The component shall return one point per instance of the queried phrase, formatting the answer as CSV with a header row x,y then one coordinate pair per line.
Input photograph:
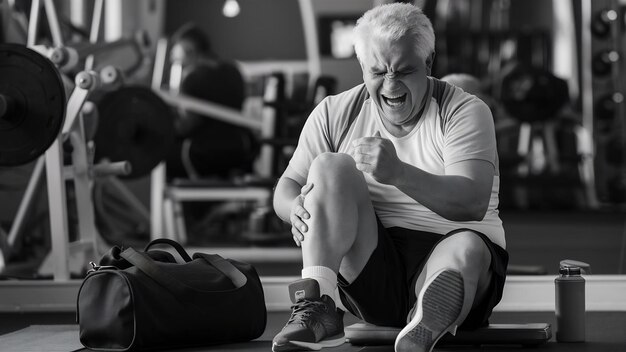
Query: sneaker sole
x,y
438,308
333,341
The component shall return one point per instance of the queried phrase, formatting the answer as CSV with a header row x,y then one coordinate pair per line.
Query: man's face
x,y
184,52
395,77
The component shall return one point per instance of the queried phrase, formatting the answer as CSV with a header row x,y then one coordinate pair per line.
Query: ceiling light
x,y
231,8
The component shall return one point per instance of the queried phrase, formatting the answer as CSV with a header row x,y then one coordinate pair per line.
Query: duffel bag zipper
x,y
96,267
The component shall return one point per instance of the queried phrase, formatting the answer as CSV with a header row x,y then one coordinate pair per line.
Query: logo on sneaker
x,y
300,294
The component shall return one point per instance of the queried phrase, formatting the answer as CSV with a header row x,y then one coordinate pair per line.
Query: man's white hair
x,y
392,22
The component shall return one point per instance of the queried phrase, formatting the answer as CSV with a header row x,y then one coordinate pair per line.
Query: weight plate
x,y
32,104
531,94
135,125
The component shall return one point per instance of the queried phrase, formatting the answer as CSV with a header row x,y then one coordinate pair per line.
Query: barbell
x,y
135,124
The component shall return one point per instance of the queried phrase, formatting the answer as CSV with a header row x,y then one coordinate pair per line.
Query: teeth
x,y
394,100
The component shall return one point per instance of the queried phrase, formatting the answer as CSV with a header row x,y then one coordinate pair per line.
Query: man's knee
x,y
469,243
331,164
466,248
339,198
336,171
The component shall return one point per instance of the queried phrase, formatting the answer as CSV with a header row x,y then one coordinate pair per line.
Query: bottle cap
x,y
569,271
585,268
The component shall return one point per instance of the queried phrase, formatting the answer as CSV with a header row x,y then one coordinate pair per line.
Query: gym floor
x,y
605,333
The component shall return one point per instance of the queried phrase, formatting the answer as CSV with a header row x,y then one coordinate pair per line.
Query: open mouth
x,y
395,100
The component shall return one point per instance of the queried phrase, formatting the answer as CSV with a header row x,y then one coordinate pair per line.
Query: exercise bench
x,y
527,335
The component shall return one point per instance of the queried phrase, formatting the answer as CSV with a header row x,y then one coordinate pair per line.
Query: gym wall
x,y
263,30
268,31
347,71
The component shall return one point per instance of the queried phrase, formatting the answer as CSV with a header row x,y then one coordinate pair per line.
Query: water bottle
x,y
570,304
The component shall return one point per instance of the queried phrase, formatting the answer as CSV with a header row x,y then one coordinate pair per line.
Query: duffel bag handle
x,y
226,267
171,283
171,243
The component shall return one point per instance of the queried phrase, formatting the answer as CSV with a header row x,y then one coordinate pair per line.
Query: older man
x,y
392,193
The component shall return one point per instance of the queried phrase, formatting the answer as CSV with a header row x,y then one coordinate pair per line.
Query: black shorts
x,y
383,293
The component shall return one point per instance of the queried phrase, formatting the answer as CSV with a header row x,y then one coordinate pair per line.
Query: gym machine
x,y
167,199
552,150
36,119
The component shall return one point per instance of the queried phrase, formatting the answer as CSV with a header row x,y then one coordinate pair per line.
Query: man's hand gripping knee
x,y
298,213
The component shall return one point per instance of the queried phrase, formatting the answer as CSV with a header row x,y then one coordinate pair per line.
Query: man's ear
x,y
429,63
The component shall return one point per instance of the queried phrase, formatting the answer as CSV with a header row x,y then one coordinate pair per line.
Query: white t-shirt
x,y
455,126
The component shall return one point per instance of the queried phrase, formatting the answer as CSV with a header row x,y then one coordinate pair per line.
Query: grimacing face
x,y
396,79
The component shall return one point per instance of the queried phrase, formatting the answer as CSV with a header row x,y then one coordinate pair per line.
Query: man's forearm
x,y
453,197
284,194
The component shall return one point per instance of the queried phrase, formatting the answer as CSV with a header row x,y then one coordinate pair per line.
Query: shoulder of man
x,y
347,97
451,99
338,112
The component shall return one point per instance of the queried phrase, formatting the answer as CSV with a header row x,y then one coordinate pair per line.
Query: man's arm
x,y
462,194
287,189
289,203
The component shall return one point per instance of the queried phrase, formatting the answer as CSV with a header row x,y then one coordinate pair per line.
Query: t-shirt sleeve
x,y
314,140
469,133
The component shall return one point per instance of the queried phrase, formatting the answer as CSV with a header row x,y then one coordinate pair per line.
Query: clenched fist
x,y
377,156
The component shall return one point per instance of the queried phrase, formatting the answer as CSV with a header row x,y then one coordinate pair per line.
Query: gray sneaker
x,y
315,321
437,310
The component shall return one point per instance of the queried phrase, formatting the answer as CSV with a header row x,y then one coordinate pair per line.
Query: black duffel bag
x,y
145,300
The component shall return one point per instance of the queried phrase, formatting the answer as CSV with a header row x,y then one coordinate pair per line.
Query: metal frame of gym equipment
x,y
66,257
593,84
530,140
166,208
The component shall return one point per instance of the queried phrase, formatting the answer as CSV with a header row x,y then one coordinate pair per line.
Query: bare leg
x,y
466,253
342,228
455,277
341,236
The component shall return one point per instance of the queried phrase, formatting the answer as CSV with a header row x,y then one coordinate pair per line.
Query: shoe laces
x,y
302,310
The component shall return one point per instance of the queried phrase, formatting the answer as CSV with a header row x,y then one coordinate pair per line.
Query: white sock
x,y
326,278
